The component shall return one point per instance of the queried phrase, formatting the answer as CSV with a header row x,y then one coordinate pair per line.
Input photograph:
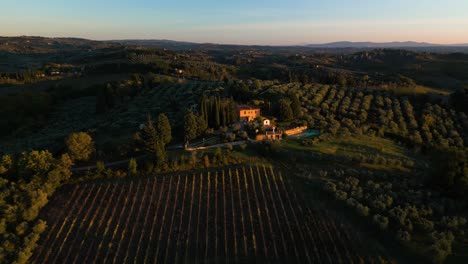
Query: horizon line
x,y
245,44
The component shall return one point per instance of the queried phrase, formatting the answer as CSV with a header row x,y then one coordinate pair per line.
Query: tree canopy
x,y
190,127
451,170
163,128
80,146
285,110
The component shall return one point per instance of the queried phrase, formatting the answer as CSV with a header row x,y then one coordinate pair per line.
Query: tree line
x,y
217,111
27,181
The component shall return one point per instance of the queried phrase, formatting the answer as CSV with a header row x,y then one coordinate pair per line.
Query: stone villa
x,y
248,114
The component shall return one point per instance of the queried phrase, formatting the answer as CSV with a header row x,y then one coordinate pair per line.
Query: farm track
x,y
234,215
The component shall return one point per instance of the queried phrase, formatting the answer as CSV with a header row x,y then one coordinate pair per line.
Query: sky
x,y
263,22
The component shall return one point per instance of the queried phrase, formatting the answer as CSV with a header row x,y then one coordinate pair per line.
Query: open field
x,y
420,89
240,214
365,150
356,145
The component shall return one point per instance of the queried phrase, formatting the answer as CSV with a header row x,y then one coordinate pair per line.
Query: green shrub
x,y
453,222
22,228
441,247
403,236
398,214
80,145
341,195
330,187
132,167
351,202
362,210
6,164
424,224
381,221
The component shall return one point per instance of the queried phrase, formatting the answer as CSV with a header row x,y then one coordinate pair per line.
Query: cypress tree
x,y
224,115
190,127
132,167
202,125
109,93
149,137
285,111
203,108
164,129
212,114
217,112
295,105
160,155
232,113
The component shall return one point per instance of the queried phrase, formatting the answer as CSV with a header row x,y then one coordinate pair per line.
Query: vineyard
x,y
238,214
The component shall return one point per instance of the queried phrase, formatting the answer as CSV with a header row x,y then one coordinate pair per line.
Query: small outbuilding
x,y
271,134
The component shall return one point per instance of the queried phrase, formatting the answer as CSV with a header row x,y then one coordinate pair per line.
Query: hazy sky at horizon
x,y
271,22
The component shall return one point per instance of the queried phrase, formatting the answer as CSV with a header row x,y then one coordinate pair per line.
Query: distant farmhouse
x,y
248,114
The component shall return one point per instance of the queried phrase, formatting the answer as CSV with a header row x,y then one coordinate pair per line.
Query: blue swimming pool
x,y
306,134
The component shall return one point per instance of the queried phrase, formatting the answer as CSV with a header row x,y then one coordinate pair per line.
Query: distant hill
x,y
161,43
32,44
341,44
182,45
396,44
337,47
35,45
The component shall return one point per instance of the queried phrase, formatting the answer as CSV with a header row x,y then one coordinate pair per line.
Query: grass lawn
x,y
420,89
359,146
353,146
384,167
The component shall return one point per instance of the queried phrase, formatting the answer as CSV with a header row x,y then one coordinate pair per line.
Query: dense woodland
x,y
64,108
